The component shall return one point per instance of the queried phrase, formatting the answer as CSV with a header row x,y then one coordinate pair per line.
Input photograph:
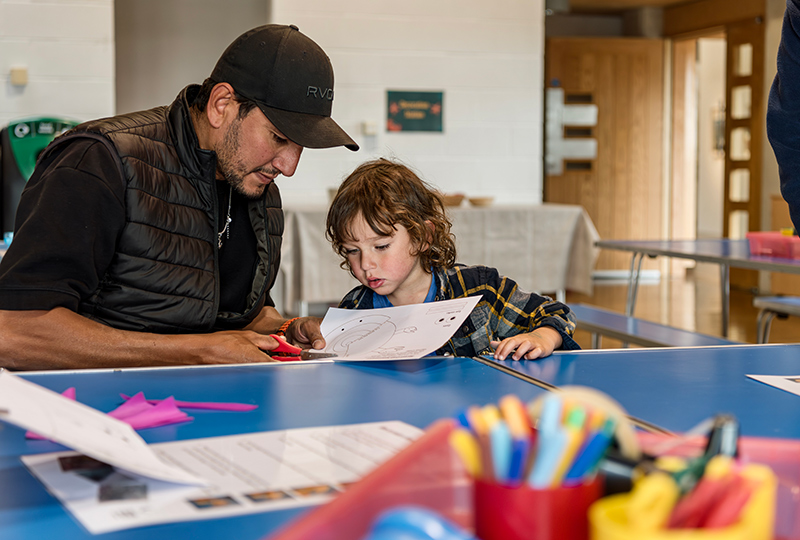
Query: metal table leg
x,y
725,279
633,282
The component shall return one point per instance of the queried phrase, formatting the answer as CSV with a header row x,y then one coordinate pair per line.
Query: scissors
x,y
286,352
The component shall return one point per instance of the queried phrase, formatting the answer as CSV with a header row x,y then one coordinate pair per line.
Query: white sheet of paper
x,y
789,383
250,473
393,333
82,428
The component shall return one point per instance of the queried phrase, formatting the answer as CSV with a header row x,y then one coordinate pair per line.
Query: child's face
x,y
385,264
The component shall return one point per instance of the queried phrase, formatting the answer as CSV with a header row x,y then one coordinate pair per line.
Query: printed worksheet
x,y
394,333
246,474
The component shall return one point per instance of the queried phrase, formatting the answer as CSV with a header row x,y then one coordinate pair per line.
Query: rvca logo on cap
x,y
322,93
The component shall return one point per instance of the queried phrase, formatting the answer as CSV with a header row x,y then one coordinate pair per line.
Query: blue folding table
x,y
288,396
672,388
724,252
676,388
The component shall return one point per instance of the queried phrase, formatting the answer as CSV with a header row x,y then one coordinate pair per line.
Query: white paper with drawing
x,y
394,333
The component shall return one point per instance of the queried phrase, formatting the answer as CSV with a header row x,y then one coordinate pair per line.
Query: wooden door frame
x,y
695,20
682,184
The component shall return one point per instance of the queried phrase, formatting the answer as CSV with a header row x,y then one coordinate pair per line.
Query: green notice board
x,y
414,111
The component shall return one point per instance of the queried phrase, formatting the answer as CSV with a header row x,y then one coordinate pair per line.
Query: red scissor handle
x,y
285,351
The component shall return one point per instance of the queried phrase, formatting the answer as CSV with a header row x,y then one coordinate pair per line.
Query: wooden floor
x,y
692,303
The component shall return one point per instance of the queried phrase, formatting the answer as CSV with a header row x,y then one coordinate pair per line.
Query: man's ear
x,y
222,105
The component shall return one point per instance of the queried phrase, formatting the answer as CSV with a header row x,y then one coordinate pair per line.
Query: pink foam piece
x,y
158,415
209,405
138,412
135,405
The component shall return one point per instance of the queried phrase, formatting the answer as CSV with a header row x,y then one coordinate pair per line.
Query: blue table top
x,y
735,253
677,388
289,396
673,388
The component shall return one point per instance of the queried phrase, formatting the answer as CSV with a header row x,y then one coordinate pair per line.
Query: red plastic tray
x,y
774,244
428,473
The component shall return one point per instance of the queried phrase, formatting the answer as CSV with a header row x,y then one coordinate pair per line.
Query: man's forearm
x,y
62,339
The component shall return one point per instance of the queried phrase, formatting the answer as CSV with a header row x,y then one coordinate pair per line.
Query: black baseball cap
x,y
290,78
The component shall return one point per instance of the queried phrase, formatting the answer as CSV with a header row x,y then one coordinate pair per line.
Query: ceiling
x,y
599,6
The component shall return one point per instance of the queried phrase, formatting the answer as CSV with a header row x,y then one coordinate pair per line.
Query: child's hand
x,y
537,344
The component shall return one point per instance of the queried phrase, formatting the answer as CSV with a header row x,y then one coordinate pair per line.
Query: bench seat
x,y
769,307
627,329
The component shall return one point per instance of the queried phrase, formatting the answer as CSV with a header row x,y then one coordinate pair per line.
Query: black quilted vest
x,y
164,277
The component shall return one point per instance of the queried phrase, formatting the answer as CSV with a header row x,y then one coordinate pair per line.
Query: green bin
x,y
21,143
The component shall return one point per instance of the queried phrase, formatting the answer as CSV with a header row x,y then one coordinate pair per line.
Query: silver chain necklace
x,y
228,220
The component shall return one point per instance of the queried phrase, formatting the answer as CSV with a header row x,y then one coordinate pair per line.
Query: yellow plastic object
x,y
671,463
650,503
608,517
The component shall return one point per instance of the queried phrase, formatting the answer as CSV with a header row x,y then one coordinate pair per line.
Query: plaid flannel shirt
x,y
504,310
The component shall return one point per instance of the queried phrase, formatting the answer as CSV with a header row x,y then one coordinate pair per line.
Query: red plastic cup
x,y
523,513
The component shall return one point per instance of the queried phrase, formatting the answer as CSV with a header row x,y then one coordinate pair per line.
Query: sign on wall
x,y
414,111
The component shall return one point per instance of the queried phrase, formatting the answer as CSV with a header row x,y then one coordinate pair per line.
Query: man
x,y
153,238
783,110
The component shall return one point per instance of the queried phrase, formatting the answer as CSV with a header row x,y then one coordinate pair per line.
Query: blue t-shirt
x,y
380,301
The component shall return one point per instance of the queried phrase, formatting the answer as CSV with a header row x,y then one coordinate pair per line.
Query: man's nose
x,y
287,159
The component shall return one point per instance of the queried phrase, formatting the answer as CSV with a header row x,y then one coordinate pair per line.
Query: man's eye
x,y
278,138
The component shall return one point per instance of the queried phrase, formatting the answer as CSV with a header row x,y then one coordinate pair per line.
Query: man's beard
x,y
231,167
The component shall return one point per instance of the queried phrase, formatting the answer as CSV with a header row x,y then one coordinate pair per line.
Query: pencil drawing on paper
x,y
393,333
368,333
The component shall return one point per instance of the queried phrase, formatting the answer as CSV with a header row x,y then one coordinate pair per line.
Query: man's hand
x,y
237,347
537,344
304,332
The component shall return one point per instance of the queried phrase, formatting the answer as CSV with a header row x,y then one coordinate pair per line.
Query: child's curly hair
x,y
386,193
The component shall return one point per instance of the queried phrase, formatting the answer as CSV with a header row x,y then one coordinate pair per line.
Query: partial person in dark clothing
x,y
153,238
783,111
392,231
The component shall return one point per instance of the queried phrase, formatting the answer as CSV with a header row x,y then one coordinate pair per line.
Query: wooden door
x,y
621,187
744,121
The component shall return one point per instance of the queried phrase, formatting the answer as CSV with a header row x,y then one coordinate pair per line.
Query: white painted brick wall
x,y
68,48
487,58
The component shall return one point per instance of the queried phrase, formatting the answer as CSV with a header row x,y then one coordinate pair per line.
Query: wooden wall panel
x,y
622,193
705,14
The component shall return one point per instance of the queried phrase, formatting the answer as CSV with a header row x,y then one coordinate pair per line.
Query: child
x,y
392,231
